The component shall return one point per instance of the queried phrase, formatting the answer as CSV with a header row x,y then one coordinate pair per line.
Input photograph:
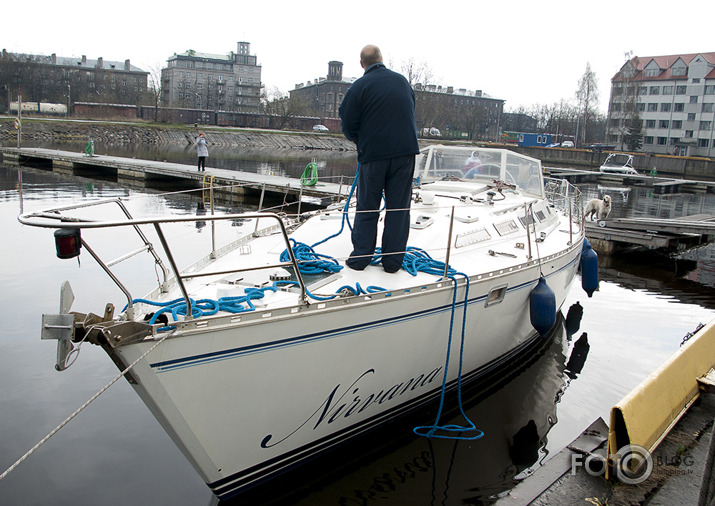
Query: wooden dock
x,y
131,170
660,185
673,235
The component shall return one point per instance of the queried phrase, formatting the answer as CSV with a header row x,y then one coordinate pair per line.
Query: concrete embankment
x,y
37,131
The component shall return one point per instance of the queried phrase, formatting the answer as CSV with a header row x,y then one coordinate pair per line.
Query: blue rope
x,y
344,219
430,431
309,261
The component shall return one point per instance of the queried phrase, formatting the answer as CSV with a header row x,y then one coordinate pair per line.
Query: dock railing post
x,y
213,222
260,207
449,245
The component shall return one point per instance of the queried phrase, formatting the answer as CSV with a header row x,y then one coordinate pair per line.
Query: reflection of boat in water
x,y
516,408
618,163
269,351
623,191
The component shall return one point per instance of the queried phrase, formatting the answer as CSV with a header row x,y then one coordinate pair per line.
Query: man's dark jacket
x,y
378,114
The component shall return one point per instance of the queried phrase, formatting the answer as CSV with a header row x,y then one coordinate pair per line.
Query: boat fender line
x,y
542,307
310,175
80,409
589,268
453,431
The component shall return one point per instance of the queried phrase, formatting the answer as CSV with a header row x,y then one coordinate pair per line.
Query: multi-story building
x,y
469,115
222,82
460,113
62,80
674,99
323,96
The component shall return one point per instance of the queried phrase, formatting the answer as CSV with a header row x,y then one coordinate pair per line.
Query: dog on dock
x,y
597,208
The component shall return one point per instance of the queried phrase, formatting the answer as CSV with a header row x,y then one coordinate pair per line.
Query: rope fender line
x,y
430,431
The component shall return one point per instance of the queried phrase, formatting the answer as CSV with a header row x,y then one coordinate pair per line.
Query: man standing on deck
x,y
378,114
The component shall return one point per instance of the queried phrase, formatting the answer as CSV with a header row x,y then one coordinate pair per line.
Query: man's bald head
x,y
370,55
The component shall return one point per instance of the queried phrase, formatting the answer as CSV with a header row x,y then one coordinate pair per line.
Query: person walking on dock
x,y
378,114
202,149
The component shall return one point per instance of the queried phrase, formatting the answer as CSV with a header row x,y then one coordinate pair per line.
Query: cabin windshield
x,y
485,165
618,160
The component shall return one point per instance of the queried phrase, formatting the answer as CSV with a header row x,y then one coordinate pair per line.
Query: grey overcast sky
x,y
525,52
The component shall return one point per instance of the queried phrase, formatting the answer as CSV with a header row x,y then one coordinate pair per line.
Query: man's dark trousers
x,y
394,177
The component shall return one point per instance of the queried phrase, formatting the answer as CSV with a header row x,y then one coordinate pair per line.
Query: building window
x,y
664,123
710,89
641,107
691,116
689,134
696,80
679,107
616,107
678,71
703,143
708,107
662,141
650,123
652,107
188,86
199,86
681,90
677,124
705,125
643,90
654,90
652,72
648,139
665,107
668,90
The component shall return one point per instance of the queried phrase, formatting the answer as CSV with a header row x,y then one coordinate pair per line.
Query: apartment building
x,y
221,82
672,96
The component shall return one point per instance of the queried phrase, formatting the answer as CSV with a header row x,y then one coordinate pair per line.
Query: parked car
x,y
567,144
431,132
320,128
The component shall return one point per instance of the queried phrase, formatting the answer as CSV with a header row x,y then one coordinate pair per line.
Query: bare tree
x,y
417,72
281,105
587,99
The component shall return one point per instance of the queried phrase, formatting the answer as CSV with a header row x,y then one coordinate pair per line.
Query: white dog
x,y
598,208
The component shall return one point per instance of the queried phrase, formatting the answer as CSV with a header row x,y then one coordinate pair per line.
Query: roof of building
x,y
664,63
190,53
80,62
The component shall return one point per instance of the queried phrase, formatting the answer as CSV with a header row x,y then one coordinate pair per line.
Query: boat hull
x,y
255,398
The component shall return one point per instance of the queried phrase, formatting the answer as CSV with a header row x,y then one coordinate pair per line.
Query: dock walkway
x,y
660,185
674,234
132,169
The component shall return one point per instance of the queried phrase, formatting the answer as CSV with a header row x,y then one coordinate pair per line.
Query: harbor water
x,y
114,452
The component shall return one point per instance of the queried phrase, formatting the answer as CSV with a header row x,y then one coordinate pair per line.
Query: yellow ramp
x,y
646,415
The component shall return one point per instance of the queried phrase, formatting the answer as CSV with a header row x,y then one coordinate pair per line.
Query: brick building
x,y
62,80
323,96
